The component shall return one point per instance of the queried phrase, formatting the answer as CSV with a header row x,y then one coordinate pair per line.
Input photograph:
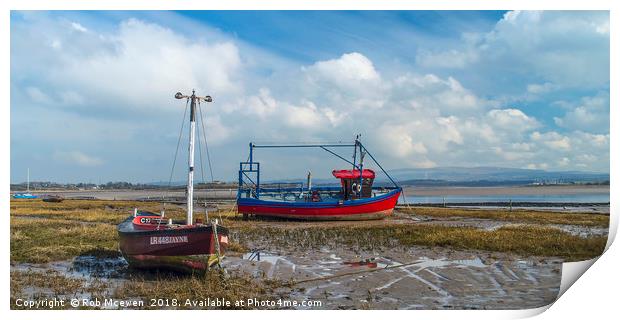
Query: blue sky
x,y
91,91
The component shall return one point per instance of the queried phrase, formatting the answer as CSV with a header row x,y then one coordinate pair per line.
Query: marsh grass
x,y
51,284
41,286
43,232
45,240
523,240
51,280
103,211
529,216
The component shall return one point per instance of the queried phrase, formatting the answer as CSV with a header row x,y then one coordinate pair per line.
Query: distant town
x,y
119,185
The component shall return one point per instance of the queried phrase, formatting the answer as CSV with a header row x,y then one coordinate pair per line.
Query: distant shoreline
x,y
516,190
126,194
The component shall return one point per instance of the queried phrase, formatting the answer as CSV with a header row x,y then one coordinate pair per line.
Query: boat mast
x,y
192,132
28,181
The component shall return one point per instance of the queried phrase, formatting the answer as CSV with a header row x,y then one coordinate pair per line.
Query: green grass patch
x,y
43,232
523,240
45,240
88,210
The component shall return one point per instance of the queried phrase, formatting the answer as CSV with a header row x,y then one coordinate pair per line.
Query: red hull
x,y
183,247
365,210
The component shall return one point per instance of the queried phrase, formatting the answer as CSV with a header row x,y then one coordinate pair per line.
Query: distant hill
x,y
492,176
458,176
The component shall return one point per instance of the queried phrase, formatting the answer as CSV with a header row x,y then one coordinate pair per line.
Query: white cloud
x,y
446,96
77,158
568,49
117,86
552,140
305,116
137,67
536,88
592,114
512,120
261,105
349,68
78,27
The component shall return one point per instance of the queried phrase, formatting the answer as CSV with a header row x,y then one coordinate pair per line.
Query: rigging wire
x,y
204,134
175,155
202,170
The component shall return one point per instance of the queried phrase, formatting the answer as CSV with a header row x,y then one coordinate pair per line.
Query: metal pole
x,y
190,176
192,132
360,186
251,147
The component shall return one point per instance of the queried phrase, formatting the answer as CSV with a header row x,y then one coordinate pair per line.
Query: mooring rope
x,y
402,193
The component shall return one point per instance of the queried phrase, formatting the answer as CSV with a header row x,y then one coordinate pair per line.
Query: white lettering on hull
x,y
168,239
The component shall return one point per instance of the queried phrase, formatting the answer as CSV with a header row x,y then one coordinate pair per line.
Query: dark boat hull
x,y
183,248
362,209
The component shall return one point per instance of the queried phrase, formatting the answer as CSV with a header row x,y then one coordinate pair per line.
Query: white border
x,y
595,294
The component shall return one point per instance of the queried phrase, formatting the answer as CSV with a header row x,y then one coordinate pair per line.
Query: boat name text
x,y
168,239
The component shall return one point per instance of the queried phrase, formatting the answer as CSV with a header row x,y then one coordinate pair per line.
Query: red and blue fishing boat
x,y
354,199
151,241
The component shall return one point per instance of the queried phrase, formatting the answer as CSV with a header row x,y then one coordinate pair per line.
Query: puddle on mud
x,y
100,276
408,279
81,267
393,278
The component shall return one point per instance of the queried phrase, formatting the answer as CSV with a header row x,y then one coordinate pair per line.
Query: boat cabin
x,y
350,183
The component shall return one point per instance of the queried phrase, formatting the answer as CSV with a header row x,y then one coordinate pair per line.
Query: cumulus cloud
x,y
564,48
135,67
512,119
349,70
431,92
115,86
592,114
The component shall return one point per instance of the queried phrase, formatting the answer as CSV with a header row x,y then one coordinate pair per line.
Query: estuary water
x,y
551,198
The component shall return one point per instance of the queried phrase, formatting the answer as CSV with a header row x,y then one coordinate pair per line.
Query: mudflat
x,y
418,258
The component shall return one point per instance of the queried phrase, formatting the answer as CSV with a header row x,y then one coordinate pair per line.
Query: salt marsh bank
x,y
418,258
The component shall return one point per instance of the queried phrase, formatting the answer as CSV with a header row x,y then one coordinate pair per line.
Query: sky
x,y
92,91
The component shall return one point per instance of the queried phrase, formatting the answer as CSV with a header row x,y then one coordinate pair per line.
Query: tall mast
x,y
28,181
192,132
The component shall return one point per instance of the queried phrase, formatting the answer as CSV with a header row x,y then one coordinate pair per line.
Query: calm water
x,y
570,198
